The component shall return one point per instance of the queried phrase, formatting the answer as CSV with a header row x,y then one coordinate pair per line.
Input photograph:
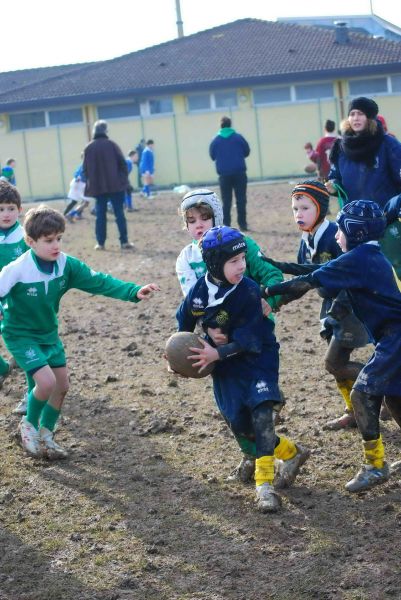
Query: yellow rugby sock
x,y
264,470
285,450
345,388
374,452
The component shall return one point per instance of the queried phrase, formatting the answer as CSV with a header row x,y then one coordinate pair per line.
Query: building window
x,y
364,87
271,95
396,83
160,106
225,99
199,102
27,120
118,111
62,117
313,91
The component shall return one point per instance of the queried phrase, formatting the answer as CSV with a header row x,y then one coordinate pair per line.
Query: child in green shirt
x,y
31,288
12,243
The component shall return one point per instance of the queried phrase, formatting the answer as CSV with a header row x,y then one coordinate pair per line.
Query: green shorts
x,y
31,356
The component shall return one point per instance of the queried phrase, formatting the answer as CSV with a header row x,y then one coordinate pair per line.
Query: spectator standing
x,y
131,160
11,162
323,148
229,150
139,149
365,161
106,173
147,167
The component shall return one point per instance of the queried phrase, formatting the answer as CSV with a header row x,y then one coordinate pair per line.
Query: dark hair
x,y
329,126
132,152
225,122
9,193
149,142
10,160
42,221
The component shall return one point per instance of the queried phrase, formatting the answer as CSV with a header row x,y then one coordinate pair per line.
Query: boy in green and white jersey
x,y
12,242
31,289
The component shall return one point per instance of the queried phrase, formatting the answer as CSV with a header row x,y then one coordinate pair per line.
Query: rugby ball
x,y
178,349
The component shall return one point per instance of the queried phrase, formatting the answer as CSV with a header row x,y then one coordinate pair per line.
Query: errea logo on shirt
x,y
262,386
17,252
32,291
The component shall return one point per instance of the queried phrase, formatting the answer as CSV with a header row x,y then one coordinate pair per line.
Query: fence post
x,y
27,164
255,108
60,154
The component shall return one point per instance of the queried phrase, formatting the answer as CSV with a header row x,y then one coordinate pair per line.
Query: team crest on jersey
x,y
32,291
324,257
17,252
222,317
393,231
62,284
262,386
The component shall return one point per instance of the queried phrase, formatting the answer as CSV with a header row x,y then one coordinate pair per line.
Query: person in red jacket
x,y
323,148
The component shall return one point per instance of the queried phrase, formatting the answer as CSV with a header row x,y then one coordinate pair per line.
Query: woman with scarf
x,y
365,161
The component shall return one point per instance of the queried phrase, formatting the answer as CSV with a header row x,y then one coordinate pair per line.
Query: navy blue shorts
x,y
381,376
237,397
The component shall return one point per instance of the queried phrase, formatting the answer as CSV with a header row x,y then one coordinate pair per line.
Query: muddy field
x,y
141,509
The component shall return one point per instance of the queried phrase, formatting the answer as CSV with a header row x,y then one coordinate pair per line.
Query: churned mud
x,y
141,509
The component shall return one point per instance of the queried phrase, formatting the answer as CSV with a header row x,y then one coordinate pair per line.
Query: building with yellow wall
x,y
279,82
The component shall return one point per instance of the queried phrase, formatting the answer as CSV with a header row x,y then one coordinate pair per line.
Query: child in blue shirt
x,y
374,292
245,377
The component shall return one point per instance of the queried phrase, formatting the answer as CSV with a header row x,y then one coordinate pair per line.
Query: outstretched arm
x,y
290,268
293,289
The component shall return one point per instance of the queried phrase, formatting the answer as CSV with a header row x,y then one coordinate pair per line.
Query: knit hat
x,y
365,105
317,192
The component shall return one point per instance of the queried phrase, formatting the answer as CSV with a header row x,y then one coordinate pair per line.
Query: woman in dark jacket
x,y
365,161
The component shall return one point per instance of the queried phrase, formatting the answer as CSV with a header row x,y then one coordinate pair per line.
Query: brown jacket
x,y
104,167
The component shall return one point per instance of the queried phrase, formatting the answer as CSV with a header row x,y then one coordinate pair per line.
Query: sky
x,y
43,33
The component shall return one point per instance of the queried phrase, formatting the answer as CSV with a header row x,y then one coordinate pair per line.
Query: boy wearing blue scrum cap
x,y
245,377
201,209
374,292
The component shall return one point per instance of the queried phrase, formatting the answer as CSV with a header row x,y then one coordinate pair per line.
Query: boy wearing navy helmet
x,y
245,377
375,295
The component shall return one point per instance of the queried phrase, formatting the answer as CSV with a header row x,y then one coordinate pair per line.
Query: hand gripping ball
x,y
177,350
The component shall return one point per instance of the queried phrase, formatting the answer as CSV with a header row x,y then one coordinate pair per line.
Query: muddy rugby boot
x,y
244,471
267,499
346,421
50,449
287,470
368,477
29,438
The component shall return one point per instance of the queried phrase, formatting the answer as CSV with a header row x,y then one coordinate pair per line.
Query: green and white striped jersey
x,y
31,298
12,244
